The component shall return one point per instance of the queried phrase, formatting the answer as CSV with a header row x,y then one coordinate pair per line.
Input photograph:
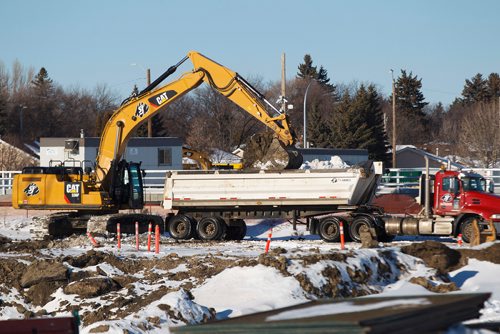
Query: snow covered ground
x,y
190,282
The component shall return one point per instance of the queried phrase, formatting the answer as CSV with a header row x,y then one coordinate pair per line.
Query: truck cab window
x,y
450,184
473,184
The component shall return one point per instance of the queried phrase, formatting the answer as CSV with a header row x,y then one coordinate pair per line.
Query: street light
x,y
305,144
21,128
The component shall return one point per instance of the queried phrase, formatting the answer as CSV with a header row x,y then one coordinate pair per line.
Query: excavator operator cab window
x,y
136,197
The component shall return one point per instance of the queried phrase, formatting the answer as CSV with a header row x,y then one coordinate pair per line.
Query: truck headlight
x,y
495,216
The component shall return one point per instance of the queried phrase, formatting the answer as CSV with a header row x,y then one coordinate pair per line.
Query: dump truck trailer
x,y
213,205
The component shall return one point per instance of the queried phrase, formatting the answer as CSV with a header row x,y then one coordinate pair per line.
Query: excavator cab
x,y
127,186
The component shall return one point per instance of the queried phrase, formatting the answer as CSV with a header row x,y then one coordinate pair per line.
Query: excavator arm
x,y
200,157
136,110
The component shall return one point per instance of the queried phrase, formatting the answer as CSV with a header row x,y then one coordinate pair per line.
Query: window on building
x,y
164,157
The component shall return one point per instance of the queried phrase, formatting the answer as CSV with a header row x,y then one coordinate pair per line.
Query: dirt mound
x,y
92,287
490,254
397,203
40,294
435,255
44,271
23,246
432,286
11,271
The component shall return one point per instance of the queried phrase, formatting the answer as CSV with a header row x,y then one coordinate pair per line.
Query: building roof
x,y
333,151
433,157
135,141
18,150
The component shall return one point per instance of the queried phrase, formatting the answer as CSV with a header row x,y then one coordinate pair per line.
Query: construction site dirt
x,y
194,282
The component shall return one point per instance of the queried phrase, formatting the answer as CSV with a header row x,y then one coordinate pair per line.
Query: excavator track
x,y
64,224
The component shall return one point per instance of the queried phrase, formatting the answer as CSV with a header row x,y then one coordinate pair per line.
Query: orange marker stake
x,y
137,236
268,243
157,239
342,239
459,239
92,240
118,236
150,229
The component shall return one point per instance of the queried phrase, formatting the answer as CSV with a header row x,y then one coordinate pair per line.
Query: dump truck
x,y
213,205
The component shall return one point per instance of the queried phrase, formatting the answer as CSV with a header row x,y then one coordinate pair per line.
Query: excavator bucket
x,y
485,233
265,151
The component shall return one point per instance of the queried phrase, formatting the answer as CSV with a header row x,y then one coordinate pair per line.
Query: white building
x,y
157,153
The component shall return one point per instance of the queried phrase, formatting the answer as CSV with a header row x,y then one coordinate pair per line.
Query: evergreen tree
x,y
349,126
323,79
307,70
494,86
42,84
410,102
41,117
476,90
318,129
375,117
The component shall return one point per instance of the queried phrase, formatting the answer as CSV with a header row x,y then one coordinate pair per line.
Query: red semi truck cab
x,y
465,196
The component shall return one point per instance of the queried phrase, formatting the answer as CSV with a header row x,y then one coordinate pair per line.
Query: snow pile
x,y
270,165
335,162
244,290
163,313
481,276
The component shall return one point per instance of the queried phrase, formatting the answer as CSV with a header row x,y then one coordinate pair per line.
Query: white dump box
x,y
347,186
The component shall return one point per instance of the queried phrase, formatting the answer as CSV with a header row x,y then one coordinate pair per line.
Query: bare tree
x,y
479,136
218,123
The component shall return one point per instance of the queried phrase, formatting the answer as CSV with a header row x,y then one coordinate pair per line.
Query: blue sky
x,y
85,43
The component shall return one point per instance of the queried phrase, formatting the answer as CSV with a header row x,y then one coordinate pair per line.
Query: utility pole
x,y
150,120
499,116
283,82
393,121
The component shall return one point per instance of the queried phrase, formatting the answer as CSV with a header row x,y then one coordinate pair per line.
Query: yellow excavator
x,y
97,196
201,158
203,161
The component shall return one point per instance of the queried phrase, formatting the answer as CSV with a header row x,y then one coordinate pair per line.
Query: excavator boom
x,y
116,183
138,109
